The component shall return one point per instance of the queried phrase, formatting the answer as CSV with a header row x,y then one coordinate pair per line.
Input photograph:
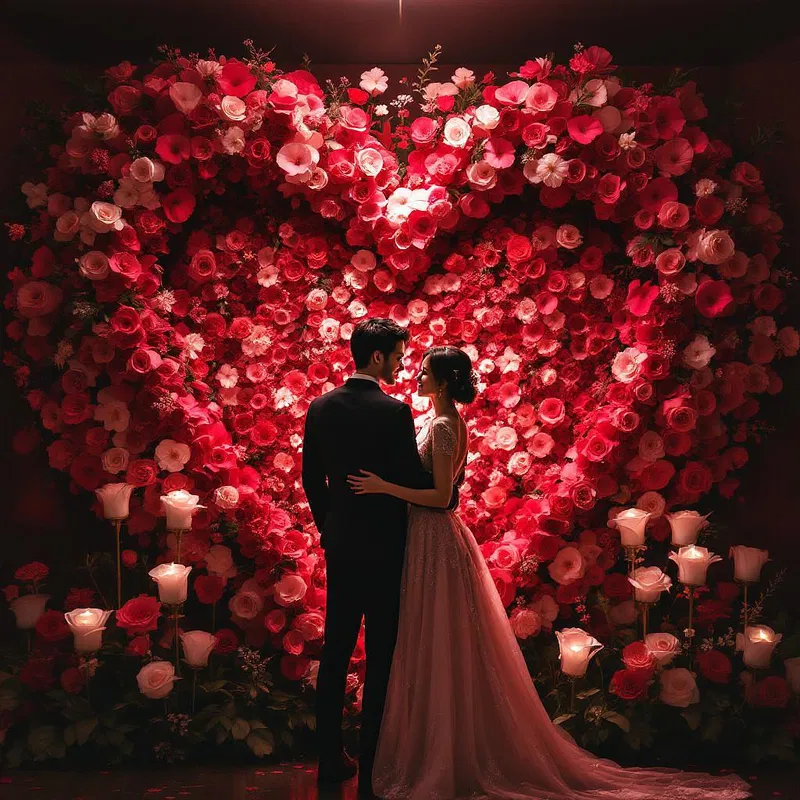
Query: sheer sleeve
x,y
444,438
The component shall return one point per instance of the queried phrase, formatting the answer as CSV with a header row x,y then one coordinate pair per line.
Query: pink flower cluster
x,y
185,278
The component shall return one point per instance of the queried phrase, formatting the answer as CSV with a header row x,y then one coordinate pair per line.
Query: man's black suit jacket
x,y
354,427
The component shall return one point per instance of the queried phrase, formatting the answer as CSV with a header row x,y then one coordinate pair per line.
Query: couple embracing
x,y
449,709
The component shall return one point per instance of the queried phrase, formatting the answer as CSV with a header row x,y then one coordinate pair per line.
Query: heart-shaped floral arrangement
x,y
202,247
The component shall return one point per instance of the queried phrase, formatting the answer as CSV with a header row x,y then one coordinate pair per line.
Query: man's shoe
x,y
336,772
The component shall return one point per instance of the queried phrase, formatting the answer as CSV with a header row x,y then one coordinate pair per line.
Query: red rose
x,y
657,475
139,615
79,598
518,248
617,587
227,641
715,666
73,680
636,655
52,627
178,205
32,573
37,674
772,692
138,647
552,411
695,478
630,684
141,472
294,667
209,588
657,192
504,583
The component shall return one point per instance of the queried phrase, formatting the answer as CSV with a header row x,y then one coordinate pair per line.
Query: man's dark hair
x,y
375,334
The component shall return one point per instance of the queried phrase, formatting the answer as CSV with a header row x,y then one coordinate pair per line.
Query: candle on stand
x,y
747,563
576,650
631,523
686,526
173,582
87,626
27,610
693,563
759,644
180,507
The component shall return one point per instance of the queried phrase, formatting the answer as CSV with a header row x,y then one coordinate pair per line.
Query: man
x,y
356,427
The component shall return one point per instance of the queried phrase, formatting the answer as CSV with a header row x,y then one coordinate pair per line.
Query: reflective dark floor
x,y
284,781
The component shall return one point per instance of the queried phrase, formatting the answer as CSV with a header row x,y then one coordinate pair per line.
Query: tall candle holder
x,y
177,616
644,609
178,534
117,523
632,552
689,632
745,604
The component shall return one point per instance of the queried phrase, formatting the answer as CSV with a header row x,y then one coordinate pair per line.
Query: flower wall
x,y
199,247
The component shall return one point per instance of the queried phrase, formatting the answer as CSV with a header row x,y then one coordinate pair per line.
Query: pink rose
x,y
715,247
525,622
627,364
246,604
156,679
290,589
311,625
567,566
679,688
662,646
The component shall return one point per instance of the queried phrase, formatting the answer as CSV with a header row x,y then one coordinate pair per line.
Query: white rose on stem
x,y
180,506
197,647
116,499
156,679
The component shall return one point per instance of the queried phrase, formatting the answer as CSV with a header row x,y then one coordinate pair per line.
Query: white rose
x,y
662,646
156,679
180,506
226,497
197,647
698,352
748,562
648,583
171,455
369,161
233,109
678,687
145,170
487,117
457,132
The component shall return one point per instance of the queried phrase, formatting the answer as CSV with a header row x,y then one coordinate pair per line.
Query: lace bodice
x,y
439,435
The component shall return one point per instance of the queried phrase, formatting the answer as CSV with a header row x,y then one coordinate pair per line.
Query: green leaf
x,y
84,728
261,742
69,736
618,720
240,729
693,717
712,729
587,693
562,718
212,686
256,725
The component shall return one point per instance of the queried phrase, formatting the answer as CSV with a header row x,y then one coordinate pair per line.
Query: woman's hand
x,y
367,483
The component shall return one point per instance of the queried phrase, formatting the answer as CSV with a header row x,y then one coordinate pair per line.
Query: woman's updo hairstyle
x,y
453,367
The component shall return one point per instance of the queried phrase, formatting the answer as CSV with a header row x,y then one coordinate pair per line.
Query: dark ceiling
x,y
638,32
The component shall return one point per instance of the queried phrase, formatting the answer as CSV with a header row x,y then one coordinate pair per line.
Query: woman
x,y
463,718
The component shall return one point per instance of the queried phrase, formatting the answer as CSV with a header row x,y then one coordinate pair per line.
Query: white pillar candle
x,y
686,526
27,610
648,583
577,648
747,562
180,506
116,500
197,647
87,626
759,643
173,582
693,563
631,524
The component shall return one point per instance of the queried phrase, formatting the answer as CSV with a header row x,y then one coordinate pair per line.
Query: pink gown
x,y
462,717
